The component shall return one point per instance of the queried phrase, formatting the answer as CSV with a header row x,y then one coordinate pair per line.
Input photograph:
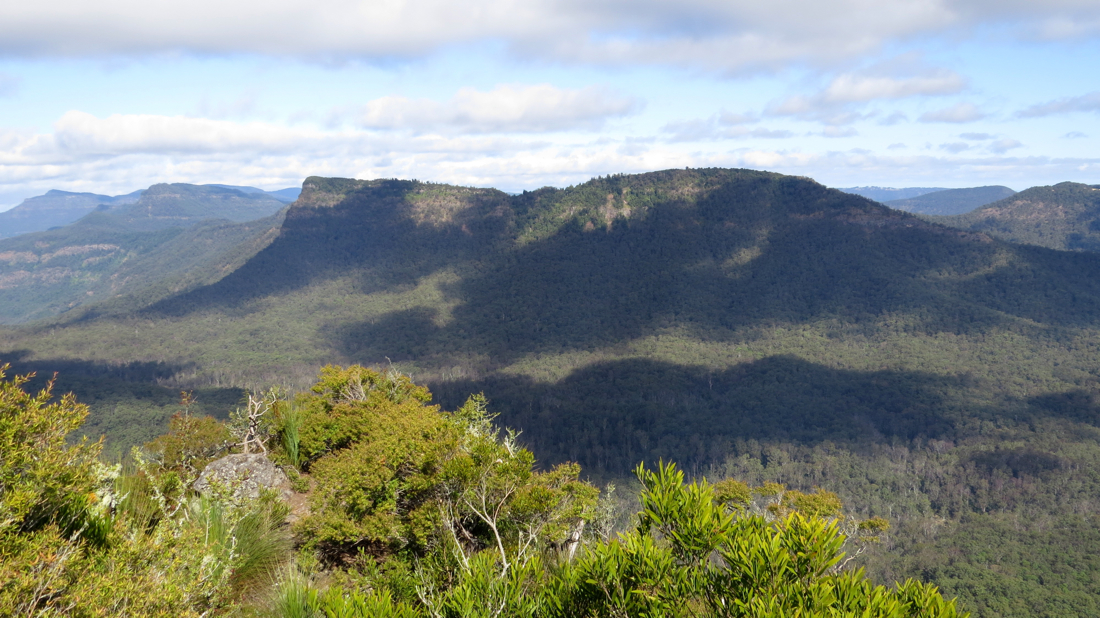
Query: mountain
x,y
163,206
951,201
285,196
53,209
174,237
737,322
885,194
1064,216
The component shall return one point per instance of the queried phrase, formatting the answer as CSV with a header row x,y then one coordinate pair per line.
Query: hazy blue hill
x,y
55,208
179,205
885,194
47,273
951,201
1064,216
285,196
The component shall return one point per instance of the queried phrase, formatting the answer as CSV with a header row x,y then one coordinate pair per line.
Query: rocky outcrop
x,y
246,474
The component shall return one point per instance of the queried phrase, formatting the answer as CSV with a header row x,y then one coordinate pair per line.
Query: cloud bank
x,y
723,35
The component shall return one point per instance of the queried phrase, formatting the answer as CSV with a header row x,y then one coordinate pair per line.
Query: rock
x,y
246,474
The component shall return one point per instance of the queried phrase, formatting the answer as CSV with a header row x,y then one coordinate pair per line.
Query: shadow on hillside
x,y
589,290
754,251
125,404
611,415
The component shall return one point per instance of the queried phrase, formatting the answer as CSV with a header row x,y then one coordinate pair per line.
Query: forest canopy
x,y
413,511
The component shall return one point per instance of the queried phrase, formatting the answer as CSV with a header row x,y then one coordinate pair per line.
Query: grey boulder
x,y
245,474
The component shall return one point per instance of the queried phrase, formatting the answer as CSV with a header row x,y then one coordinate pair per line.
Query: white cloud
x,y
897,78
1085,103
955,147
507,108
851,87
722,35
117,154
958,113
976,136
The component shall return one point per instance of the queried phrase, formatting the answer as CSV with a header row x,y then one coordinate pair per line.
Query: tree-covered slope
x,y
951,201
46,273
1064,216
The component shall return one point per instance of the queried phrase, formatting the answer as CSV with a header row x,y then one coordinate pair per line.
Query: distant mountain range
x,y
58,208
53,209
1064,216
931,200
951,201
885,194
173,236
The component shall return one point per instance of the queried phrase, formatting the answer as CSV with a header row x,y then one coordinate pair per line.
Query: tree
x,y
690,556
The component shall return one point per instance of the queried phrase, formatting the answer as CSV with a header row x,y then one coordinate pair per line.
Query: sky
x,y
115,95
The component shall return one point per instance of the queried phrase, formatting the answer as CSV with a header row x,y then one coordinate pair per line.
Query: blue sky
x,y
116,95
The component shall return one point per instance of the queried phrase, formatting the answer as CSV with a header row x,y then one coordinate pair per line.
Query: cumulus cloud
x,y
955,147
120,153
723,35
897,78
1085,103
507,108
976,136
958,113
851,87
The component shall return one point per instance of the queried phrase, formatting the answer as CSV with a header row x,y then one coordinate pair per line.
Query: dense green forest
x,y
400,510
740,323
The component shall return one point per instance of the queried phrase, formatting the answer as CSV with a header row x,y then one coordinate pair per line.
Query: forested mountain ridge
x,y
165,205
733,320
1063,216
